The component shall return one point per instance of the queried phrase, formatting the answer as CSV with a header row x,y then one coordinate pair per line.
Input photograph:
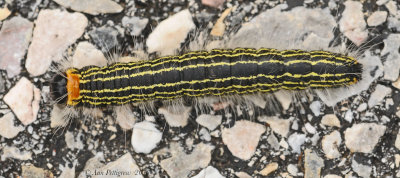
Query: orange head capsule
x,y
72,86
65,88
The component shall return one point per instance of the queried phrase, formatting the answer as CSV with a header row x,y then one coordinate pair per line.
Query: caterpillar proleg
x,y
219,72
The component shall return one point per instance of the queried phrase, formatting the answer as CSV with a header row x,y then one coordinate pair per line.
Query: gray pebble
x,y
134,24
105,37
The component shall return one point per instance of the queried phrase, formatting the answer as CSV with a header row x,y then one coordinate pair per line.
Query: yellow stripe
x,y
181,57
208,65
180,69
208,80
222,88
86,75
179,60
202,94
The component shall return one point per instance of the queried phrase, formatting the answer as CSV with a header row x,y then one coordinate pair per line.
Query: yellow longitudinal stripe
x,y
181,69
209,80
205,53
86,75
311,83
97,71
176,95
209,65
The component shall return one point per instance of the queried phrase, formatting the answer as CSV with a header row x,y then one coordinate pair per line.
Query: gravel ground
x,y
345,132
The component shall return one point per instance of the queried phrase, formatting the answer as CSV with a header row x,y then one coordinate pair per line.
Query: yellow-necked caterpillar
x,y
204,73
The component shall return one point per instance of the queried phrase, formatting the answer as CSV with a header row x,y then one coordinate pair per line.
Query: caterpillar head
x,y
58,88
64,88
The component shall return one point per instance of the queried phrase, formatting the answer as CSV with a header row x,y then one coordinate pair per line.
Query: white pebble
x,y
348,116
295,141
330,120
24,99
363,137
145,137
54,31
170,33
377,96
352,23
7,128
310,129
316,107
279,126
377,18
211,122
209,172
330,144
242,139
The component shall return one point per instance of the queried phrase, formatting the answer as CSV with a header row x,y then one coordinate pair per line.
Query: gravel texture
x,y
345,132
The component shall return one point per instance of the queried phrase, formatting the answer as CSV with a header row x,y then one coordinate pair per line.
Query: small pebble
x,y
285,98
123,164
295,141
86,54
219,27
204,134
381,2
330,144
362,107
352,23
4,13
362,170
363,137
312,164
242,139
145,137
24,99
73,142
292,169
15,36
177,118
397,160
315,107
134,24
284,144
170,33
180,163
54,31
377,18
310,129
330,120
377,96
273,142
397,142
15,153
391,65
32,171
7,128
209,172
392,7
105,37
279,126
271,167
348,116
93,7
125,118
211,122
396,83
213,3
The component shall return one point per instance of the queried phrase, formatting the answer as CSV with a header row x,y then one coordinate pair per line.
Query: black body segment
x,y
214,73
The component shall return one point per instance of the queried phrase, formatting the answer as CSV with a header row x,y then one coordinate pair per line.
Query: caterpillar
x,y
218,72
